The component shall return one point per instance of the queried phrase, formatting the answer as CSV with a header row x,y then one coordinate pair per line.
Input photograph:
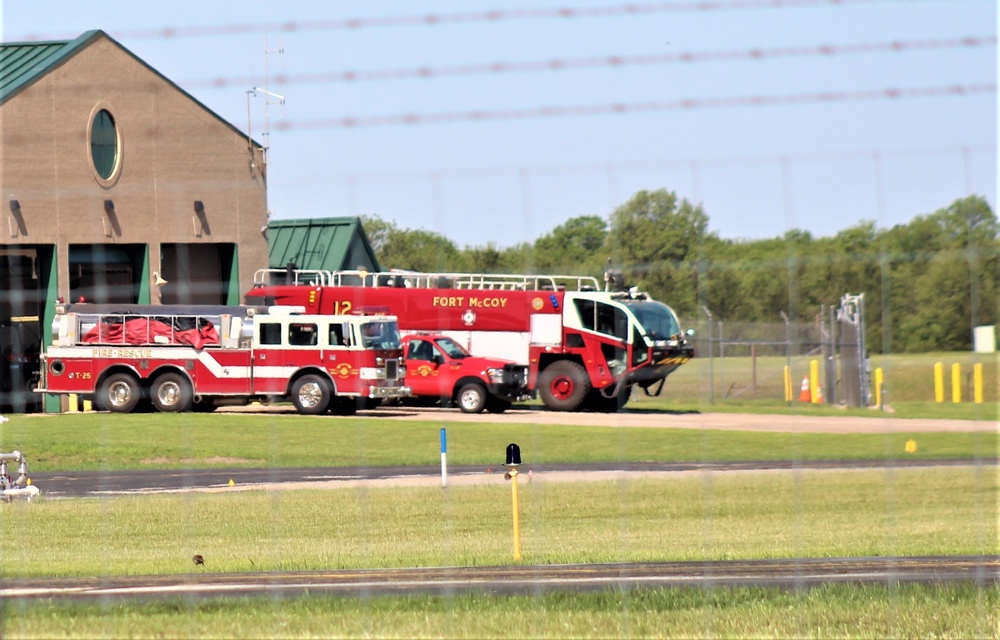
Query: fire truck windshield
x,y
452,348
657,319
380,334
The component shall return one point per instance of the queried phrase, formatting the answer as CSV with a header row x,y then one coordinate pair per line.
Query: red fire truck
x,y
585,347
200,357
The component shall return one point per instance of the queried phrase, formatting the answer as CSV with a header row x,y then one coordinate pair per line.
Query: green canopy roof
x,y
330,244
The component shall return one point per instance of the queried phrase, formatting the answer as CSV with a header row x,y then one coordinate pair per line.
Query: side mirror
x,y
437,359
689,333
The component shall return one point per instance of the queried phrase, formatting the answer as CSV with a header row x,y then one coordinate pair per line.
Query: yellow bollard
x,y
788,383
88,406
977,382
814,381
71,404
956,383
878,386
938,382
517,519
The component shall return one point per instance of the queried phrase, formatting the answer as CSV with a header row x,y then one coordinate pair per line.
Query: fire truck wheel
x,y
563,385
472,398
311,394
171,393
496,405
120,393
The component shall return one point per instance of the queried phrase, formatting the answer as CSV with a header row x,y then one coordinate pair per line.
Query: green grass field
x,y
897,511
99,441
909,386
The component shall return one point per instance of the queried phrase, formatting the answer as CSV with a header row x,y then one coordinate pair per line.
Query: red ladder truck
x,y
585,347
181,358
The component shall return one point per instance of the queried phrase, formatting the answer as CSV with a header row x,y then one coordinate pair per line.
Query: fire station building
x,y
117,186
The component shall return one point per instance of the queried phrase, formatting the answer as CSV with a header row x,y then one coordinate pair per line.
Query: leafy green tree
x,y
575,247
656,238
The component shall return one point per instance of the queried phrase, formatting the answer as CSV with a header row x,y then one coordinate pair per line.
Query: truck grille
x,y
516,376
392,368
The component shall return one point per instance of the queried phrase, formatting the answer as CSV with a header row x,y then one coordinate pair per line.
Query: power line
x,y
610,61
491,16
454,117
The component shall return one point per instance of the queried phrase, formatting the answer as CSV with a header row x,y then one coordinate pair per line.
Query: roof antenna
x,y
270,98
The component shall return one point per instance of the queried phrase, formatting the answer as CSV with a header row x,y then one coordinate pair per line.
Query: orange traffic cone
x,y
804,393
819,394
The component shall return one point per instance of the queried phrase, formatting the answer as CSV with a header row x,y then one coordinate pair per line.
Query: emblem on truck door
x,y
469,318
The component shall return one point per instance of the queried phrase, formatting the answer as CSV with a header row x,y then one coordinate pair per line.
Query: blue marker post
x,y
444,459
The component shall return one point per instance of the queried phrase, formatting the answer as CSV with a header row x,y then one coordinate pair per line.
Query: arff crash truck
x,y
440,369
199,357
586,348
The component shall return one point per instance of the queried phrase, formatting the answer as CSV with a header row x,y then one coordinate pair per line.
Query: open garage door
x,y
25,274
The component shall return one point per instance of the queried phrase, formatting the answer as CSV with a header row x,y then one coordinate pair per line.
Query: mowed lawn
x,y
694,516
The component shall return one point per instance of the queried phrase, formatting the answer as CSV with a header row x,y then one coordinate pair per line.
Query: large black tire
x,y
171,393
311,394
471,398
120,393
496,405
563,385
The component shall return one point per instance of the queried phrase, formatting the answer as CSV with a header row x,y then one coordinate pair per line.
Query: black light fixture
x,y
109,206
15,206
199,207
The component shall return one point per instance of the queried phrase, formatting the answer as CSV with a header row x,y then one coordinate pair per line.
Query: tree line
x,y
926,282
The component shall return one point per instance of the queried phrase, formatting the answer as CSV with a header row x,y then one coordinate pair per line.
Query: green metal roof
x,y
21,63
321,243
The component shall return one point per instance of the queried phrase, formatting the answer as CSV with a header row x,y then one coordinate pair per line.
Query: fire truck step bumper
x,y
390,392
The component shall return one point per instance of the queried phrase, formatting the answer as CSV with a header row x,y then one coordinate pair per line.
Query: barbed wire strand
x,y
458,18
593,62
351,122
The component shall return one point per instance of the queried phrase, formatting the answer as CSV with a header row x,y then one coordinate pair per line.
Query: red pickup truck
x,y
440,369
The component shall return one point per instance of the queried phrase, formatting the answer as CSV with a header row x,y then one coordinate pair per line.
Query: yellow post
x,y
71,405
878,386
956,383
814,381
517,523
938,382
788,383
88,406
977,382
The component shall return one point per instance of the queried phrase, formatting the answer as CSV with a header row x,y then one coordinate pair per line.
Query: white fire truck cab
x,y
585,347
181,358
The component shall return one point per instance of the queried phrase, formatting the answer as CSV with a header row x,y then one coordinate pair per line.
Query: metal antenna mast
x,y
268,95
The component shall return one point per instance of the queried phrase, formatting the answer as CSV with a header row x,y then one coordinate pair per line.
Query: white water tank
x,y
984,339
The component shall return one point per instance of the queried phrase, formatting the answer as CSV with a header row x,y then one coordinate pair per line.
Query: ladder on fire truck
x,y
420,280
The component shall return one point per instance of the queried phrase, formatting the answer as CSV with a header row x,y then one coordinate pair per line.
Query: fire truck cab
x,y
586,348
181,358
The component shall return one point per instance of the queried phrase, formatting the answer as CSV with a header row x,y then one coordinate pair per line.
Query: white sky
x,y
815,164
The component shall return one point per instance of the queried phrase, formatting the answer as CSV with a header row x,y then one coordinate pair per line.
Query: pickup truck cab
x,y
440,369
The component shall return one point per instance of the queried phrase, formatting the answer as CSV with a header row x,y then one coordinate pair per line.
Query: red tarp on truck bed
x,y
145,331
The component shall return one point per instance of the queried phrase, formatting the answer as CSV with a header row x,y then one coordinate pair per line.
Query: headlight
x,y
495,375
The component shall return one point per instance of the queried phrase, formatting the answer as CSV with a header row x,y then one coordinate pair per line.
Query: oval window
x,y
104,144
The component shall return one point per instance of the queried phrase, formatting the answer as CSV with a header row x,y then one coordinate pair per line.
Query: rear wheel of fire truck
x,y
120,393
496,405
471,398
563,385
311,394
171,393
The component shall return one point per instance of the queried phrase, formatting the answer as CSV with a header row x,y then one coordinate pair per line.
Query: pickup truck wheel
x,y
563,385
472,398
171,393
496,405
311,394
120,393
